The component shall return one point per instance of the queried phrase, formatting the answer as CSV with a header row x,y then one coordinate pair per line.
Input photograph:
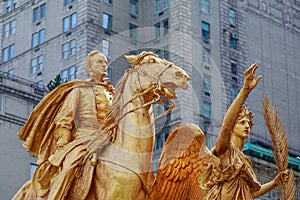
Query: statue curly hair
x,y
245,112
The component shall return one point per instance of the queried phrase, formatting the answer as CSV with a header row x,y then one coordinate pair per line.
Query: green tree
x,y
54,83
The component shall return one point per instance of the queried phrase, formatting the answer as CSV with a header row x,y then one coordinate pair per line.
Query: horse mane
x,y
110,123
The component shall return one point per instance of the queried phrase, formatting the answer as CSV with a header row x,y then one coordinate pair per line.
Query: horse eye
x,y
152,60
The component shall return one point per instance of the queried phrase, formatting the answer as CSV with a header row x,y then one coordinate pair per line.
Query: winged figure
x,y
188,170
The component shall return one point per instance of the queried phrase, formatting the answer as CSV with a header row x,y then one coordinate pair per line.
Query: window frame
x,y
70,22
107,22
68,49
69,2
106,48
11,51
133,31
134,11
207,111
205,33
39,37
108,1
205,6
69,76
6,30
232,17
166,28
5,54
206,56
39,13
206,83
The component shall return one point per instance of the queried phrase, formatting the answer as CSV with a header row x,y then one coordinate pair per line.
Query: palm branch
x,y
280,148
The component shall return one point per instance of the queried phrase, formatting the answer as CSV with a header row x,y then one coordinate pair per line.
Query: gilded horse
x,y
124,169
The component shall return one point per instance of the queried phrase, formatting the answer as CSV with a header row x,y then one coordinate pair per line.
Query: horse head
x,y
155,77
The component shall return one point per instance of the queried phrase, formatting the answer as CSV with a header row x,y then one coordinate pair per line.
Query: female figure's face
x,y
242,128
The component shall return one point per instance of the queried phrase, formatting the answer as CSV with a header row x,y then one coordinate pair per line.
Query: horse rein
x,y
145,188
154,87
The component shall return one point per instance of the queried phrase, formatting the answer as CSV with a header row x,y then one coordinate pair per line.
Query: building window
x,y
206,109
69,49
11,5
6,30
109,73
14,6
133,31
206,83
234,92
39,84
232,17
233,68
206,56
10,73
156,6
68,2
9,29
39,13
43,11
8,53
70,22
166,26
205,31
35,14
133,8
166,54
13,25
73,47
107,21
205,6
11,51
38,38
233,41
107,1
37,64
106,48
5,54
68,74
157,30
165,4
160,5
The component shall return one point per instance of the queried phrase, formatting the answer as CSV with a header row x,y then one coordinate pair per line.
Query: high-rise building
x,y
213,41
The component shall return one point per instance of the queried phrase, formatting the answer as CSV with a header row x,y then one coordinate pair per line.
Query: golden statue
x,y
89,146
93,142
188,170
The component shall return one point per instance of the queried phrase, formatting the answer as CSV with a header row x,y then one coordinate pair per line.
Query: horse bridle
x,y
156,85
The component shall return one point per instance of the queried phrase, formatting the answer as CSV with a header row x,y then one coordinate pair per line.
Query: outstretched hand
x,y
249,81
282,177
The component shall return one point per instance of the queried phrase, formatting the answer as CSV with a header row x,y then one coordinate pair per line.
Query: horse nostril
x,y
179,74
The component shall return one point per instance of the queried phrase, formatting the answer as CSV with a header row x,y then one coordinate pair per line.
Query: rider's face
x,y
98,65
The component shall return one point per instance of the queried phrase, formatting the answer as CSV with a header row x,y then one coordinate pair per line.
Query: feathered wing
x,y
184,157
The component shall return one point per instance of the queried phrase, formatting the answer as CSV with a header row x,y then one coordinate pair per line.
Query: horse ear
x,y
130,58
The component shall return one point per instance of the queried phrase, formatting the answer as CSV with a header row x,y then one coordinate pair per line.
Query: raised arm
x,y
234,109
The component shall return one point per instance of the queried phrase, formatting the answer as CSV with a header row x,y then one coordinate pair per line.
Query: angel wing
x,y
184,157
